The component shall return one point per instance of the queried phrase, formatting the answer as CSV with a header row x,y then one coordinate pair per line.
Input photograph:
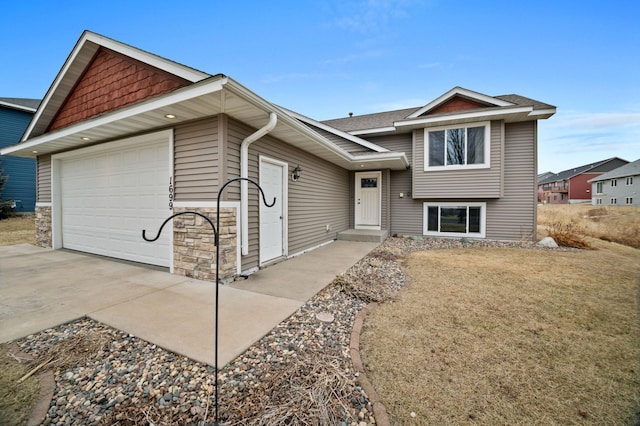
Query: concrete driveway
x,y
41,288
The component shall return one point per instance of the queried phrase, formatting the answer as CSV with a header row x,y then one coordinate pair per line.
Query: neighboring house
x,y
125,138
572,185
15,115
619,187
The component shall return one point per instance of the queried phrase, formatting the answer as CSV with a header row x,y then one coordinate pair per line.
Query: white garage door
x,y
112,192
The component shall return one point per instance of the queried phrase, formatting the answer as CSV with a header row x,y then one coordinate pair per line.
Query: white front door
x,y
273,180
368,196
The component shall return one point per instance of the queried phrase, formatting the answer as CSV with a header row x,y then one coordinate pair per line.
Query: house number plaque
x,y
170,193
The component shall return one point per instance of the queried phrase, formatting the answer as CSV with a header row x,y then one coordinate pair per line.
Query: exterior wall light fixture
x,y
296,174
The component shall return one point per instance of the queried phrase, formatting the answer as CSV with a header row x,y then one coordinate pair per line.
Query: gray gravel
x,y
131,381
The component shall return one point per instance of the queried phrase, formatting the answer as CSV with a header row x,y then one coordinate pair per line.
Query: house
x,y
124,138
572,185
15,115
620,186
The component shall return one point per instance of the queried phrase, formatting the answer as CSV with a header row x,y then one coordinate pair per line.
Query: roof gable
x,y
111,81
629,169
75,66
456,103
461,99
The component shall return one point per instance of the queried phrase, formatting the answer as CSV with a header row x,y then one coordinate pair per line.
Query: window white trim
x,y
599,187
483,219
487,147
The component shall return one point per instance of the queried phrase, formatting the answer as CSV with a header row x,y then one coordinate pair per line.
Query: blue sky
x,y
325,59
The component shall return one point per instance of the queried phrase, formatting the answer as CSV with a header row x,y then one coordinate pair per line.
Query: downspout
x,y
244,172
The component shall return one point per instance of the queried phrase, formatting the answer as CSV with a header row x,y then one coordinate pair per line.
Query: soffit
x,y
200,100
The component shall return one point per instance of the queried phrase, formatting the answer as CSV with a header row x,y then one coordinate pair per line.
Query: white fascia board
x,y
284,117
372,131
462,92
464,116
383,156
89,37
543,112
139,108
56,82
156,61
338,132
15,106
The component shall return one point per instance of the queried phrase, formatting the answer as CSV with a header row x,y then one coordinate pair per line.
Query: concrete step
x,y
363,235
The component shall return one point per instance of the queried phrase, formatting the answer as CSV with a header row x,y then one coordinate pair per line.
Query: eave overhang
x,y
216,95
508,114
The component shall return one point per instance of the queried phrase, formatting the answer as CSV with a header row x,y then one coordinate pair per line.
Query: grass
x,y
620,224
15,399
510,336
17,230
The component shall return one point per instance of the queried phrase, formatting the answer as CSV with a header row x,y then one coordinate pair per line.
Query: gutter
x,y
244,172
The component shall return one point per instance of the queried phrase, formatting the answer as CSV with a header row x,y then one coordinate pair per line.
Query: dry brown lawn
x,y
620,224
510,336
17,230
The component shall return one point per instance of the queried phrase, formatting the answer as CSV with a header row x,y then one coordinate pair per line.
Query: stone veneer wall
x,y
194,251
43,226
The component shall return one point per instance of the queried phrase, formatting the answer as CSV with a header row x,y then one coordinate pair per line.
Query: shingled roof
x,y
387,119
569,173
21,103
631,169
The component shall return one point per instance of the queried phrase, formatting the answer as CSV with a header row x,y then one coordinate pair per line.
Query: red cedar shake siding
x,y
112,81
457,103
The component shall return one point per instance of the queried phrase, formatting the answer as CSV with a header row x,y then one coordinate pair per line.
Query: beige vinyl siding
x,y
513,216
406,213
318,199
235,133
458,183
196,160
44,179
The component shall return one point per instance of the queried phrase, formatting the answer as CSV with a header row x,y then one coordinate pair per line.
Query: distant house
x,y
620,186
125,138
572,185
15,115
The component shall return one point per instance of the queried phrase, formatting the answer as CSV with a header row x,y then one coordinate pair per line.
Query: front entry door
x,y
368,196
272,219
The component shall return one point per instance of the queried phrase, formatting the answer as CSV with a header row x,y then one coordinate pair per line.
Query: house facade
x,y
572,185
619,187
15,115
124,138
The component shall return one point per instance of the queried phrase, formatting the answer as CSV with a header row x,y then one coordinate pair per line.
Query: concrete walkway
x,y
42,288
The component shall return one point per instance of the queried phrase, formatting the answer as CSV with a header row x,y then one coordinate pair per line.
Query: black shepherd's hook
x,y
217,236
144,237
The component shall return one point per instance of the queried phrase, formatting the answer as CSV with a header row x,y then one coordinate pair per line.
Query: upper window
x,y
614,182
598,187
456,147
630,180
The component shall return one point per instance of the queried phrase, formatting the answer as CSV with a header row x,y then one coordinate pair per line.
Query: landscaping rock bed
x,y
300,373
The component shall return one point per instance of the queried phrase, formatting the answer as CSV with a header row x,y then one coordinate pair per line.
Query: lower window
x,y
455,219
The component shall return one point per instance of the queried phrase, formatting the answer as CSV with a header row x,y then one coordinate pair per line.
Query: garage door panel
x,y
109,196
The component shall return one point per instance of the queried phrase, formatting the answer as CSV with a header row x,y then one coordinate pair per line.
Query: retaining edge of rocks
x,y
379,410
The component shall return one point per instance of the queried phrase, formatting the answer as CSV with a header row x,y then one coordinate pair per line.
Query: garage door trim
x,y
56,164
